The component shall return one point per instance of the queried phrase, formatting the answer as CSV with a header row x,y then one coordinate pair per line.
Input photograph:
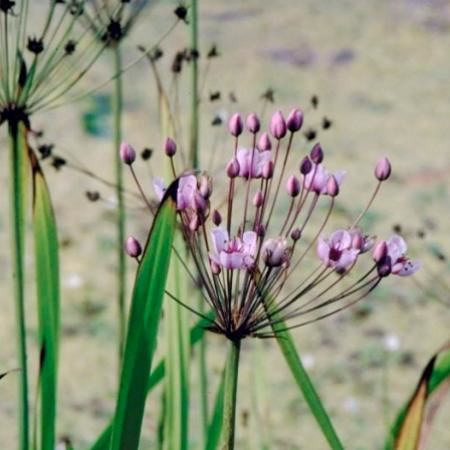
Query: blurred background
x,y
379,73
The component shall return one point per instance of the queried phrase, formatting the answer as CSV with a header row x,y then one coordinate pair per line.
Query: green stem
x,y
17,134
121,270
203,378
230,396
193,149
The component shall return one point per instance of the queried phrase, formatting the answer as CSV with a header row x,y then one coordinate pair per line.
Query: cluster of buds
x,y
245,248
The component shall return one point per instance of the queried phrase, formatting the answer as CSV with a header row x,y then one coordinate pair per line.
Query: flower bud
x,y
357,241
267,170
293,186
133,247
216,218
380,251
170,147
194,223
260,230
296,234
305,166
215,268
127,153
233,168
383,169
384,267
278,126
205,188
264,143
275,252
332,186
235,125
316,154
258,199
294,120
253,123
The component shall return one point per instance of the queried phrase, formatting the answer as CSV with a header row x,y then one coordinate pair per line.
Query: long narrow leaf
x,y
47,281
215,426
157,375
413,423
143,325
301,377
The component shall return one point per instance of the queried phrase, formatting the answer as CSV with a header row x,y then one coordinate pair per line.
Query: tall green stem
x,y
18,179
230,396
121,269
193,148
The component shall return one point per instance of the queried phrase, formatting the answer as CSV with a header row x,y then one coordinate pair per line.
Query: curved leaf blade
x,y
47,283
412,425
143,325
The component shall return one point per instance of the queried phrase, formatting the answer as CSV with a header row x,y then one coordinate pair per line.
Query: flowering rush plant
x,y
246,251
252,250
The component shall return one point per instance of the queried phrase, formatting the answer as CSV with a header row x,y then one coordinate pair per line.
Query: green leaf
x,y
143,325
157,375
47,282
412,426
287,346
215,426
177,360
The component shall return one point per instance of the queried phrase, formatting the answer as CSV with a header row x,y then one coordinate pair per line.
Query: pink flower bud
x,y
260,230
383,169
233,168
170,147
205,188
380,251
235,125
258,199
267,170
305,166
127,153
194,223
133,247
357,241
215,268
216,218
253,123
264,143
278,126
294,120
332,186
316,154
293,186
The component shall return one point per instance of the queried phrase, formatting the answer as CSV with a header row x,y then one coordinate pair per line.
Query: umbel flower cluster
x,y
252,250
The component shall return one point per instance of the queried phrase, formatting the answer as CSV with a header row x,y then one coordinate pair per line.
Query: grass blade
x,y
143,325
157,375
215,426
47,281
177,362
412,425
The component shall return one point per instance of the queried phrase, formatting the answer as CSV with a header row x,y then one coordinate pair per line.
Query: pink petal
x,y
220,239
159,187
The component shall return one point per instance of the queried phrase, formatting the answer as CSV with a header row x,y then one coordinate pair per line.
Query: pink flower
x,y
337,251
400,264
275,252
251,162
188,196
236,253
317,179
